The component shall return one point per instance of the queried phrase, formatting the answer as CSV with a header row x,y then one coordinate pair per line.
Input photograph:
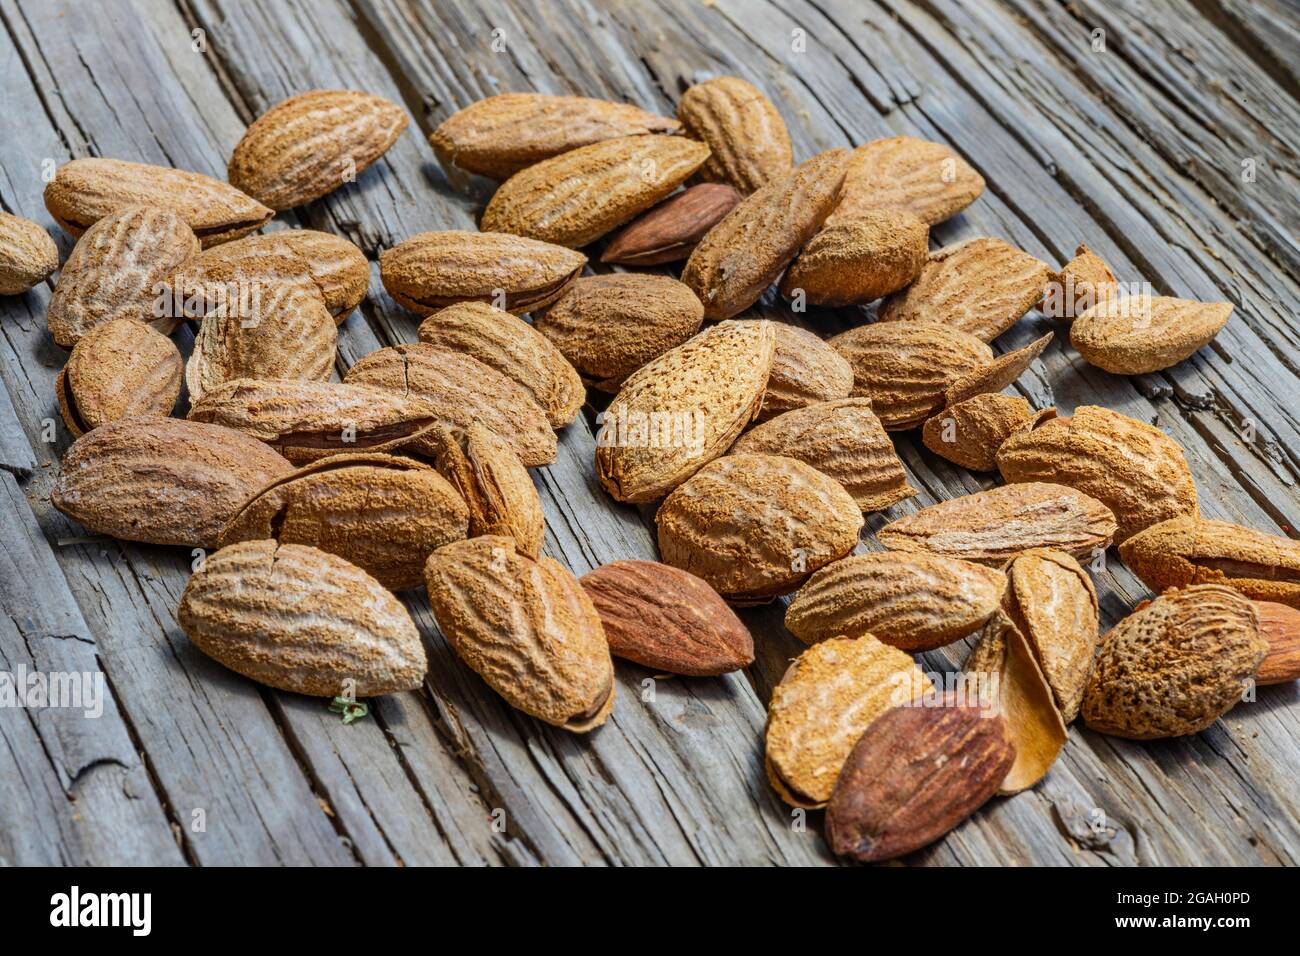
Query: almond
x,y
28,256
858,259
670,230
608,326
576,197
1083,282
1133,468
827,698
1189,550
1280,626
980,286
1176,666
459,391
748,139
247,606
115,269
500,135
998,374
994,526
162,480
433,270
970,432
742,255
86,190
682,410
913,775
120,369
515,349
755,526
1135,335
526,627
926,179
842,439
915,602
311,144
667,619
805,371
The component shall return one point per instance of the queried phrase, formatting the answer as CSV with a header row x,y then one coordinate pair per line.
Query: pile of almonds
x,y
763,443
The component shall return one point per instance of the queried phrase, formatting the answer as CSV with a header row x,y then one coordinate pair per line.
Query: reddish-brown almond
x,y
672,229
1083,282
927,179
998,374
28,256
1134,335
1280,626
858,259
749,142
971,432
120,369
805,371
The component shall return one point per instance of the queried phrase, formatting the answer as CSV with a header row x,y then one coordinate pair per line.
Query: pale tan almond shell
x,y
114,270
927,179
338,268
1083,282
608,326
915,602
1052,602
756,526
502,134
981,286
307,421
1175,666
1135,335
750,146
432,270
313,143
162,480
526,627
515,349
1188,550
805,371
1003,659
859,259
998,374
288,335
384,514
745,253
28,256
296,618
576,197
84,191
905,368
715,380
842,439
497,488
459,391
994,526
971,432
1133,468
828,697
120,369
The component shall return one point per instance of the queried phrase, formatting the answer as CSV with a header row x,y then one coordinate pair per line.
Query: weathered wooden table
x,y
1160,132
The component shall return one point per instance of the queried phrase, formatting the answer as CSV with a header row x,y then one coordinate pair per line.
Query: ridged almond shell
x,y
1135,335
1083,282
755,526
84,191
970,433
162,480
842,439
703,392
28,256
1133,468
296,618
576,197
526,627
859,259
515,349
998,374
669,231
749,144
433,270
335,505
805,371
927,179
120,369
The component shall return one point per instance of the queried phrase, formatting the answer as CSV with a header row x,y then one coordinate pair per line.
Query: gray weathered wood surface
x,y
1137,150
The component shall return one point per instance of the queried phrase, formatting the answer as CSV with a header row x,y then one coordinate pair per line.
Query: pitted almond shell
x,y
755,526
526,627
433,270
162,480
927,179
750,146
84,191
915,602
1135,335
858,259
828,697
515,349
331,505
1083,282
306,421
970,432
805,371
998,374
302,620
120,369
842,439
669,231
28,256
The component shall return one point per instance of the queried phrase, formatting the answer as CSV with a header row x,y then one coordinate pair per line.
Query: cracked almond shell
x,y
120,369
302,620
927,179
1083,282
859,259
1135,335
970,432
28,256
749,144
805,371
997,375
526,627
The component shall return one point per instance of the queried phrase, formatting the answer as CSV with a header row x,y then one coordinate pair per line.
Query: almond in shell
x,y
1134,335
669,231
28,256
805,371
970,432
120,369
927,179
858,259
748,139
